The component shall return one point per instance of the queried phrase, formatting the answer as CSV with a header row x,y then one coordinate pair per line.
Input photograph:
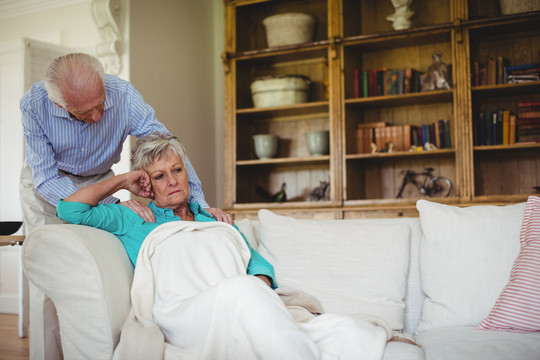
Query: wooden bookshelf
x,y
351,35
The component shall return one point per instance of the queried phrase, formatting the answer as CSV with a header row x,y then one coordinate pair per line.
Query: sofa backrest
x,y
415,297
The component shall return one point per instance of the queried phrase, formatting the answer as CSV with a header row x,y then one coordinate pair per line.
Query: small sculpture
x,y
280,196
321,192
437,76
373,148
400,19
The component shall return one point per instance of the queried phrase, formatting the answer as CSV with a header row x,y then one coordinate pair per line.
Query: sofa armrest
x,y
87,274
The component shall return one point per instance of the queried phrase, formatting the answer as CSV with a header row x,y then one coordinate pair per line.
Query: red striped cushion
x,y
518,306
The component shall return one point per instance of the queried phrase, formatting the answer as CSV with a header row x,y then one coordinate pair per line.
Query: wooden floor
x,y
12,347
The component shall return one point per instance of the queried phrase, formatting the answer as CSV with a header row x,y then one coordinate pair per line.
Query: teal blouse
x,y
131,229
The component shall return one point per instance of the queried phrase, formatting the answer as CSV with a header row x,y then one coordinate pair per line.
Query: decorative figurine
x,y
400,19
437,76
321,192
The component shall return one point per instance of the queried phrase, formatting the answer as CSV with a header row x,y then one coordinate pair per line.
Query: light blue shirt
x,y
131,229
55,140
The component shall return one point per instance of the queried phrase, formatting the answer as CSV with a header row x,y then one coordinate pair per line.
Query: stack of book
x,y
403,137
381,82
495,128
523,73
528,122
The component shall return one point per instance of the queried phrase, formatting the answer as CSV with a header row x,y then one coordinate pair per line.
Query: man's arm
x,y
41,159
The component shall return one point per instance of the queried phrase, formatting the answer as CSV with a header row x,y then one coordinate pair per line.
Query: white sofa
x,y
433,279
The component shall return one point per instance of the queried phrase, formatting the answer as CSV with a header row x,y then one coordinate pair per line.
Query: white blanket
x,y
166,292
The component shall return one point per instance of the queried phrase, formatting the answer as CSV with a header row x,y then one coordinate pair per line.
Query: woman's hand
x,y
138,183
220,215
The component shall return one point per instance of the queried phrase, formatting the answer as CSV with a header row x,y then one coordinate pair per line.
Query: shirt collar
x,y
163,214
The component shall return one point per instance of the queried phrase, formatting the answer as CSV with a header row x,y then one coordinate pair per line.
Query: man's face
x,y
87,106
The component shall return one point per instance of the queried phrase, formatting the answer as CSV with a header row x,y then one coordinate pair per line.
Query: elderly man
x,y
75,122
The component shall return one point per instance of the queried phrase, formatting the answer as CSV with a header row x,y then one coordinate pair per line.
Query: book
x,y
502,65
447,134
506,127
528,114
371,124
364,84
380,77
528,121
406,137
392,82
512,130
360,146
442,141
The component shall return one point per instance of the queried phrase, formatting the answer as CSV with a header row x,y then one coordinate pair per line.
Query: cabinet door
x,y
392,122
255,179
505,93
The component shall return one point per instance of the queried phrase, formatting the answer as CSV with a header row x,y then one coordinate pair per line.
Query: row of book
x,y
402,137
495,71
528,121
503,127
380,82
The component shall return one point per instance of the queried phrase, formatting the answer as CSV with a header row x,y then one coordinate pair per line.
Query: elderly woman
x,y
207,302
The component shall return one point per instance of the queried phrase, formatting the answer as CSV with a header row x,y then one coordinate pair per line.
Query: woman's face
x,y
169,182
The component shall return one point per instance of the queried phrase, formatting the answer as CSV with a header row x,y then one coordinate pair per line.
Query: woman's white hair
x,y
73,73
155,146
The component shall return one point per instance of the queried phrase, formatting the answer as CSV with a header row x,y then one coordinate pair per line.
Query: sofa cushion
x,y
466,256
518,306
350,268
463,343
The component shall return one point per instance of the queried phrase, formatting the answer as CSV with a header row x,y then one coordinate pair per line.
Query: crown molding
x,y
13,8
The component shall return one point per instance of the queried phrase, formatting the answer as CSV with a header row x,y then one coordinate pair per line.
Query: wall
x,y
174,59
175,64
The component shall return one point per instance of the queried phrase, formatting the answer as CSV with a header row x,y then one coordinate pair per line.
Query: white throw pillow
x,y
354,269
466,255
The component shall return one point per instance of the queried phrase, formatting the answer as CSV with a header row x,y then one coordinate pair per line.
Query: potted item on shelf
x,y
280,90
318,142
289,29
266,145
518,6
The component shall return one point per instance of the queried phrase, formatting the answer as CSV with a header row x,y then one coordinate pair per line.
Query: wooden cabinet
x,y
351,38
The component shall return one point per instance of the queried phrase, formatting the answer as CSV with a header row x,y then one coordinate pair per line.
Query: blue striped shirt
x,y
55,140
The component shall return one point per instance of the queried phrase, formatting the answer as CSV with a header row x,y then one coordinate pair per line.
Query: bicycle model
x,y
427,183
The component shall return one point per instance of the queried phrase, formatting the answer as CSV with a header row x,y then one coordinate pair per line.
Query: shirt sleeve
x,y
258,265
40,157
114,218
144,123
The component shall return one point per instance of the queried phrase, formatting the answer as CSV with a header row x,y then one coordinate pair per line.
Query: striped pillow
x,y
518,306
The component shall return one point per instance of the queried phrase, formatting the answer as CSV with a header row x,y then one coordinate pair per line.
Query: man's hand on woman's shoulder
x,y
220,215
140,209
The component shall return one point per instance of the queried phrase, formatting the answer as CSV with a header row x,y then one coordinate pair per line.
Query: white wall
x,y
175,49
172,55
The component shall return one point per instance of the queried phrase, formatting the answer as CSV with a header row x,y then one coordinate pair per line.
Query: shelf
x,y
514,22
401,154
486,91
515,147
315,107
402,38
288,52
404,99
286,161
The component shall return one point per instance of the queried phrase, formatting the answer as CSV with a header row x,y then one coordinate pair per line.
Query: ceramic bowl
x,y
318,142
266,145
